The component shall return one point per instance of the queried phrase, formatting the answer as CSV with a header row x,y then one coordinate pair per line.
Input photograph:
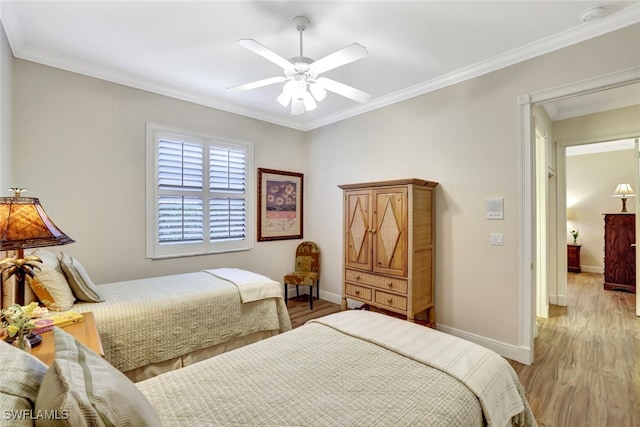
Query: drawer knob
x,y
389,300
357,292
390,284
357,277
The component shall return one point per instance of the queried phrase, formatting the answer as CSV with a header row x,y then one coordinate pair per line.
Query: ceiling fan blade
x,y
343,89
266,53
258,83
344,56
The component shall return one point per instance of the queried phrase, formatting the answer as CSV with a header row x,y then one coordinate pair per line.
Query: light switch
x,y
496,239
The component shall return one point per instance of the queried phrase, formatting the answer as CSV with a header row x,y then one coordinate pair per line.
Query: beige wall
x,y
6,83
604,126
80,147
466,138
591,179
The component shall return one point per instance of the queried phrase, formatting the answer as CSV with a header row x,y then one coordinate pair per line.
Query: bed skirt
x,y
149,371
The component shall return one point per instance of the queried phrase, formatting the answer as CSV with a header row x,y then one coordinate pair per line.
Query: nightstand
x,y
573,258
85,332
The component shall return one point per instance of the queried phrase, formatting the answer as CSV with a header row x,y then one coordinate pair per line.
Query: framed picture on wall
x,y
279,205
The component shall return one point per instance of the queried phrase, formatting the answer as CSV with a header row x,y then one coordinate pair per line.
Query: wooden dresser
x,y
620,252
389,246
573,258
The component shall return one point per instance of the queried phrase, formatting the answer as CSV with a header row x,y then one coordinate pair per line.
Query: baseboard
x,y
592,269
519,354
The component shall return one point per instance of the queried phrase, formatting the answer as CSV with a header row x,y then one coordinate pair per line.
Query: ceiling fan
x,y
302,86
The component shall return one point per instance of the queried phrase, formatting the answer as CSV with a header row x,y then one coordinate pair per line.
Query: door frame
x,y
527,183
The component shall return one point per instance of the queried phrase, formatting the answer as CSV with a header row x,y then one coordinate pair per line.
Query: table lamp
x,y
24,224
624,191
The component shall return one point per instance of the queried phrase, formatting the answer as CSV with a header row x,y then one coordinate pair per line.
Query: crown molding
x,y
624,18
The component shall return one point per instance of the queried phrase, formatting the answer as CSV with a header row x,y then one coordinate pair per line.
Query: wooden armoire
x,y
620,252
389,246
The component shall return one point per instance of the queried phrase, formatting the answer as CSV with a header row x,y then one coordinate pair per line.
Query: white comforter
x,y
486,373
147,321
318,376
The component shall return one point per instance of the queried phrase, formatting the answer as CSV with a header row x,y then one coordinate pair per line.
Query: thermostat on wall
x,y
495,208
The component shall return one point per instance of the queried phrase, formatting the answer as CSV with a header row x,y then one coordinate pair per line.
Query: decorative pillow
x,y
53,280
42,293
89,390
20,378
78,279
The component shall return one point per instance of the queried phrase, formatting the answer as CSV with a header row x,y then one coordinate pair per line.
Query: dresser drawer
x,y
395,301
359,292
381,282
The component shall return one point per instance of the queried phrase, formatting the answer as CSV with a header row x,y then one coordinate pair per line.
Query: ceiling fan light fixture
x,y
297,107
284,99
309,102
318,92
303,88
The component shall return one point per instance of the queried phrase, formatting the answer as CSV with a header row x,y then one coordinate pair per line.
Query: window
x,y
198,194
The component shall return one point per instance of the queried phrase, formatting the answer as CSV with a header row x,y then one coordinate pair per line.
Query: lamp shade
x,y
623,190
24,224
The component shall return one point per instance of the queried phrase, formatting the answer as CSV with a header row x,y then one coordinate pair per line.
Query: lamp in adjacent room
x,y
23,225
624,191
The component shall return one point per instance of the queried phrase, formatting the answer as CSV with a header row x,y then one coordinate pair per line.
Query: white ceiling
x,y
188,50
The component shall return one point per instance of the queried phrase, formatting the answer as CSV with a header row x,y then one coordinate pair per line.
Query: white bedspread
x,y
252,286
152,320
486,373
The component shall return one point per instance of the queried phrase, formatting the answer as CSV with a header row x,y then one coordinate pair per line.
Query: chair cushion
x,y
83,385
305,278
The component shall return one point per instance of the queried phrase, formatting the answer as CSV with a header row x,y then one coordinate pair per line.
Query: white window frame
x,y
156,251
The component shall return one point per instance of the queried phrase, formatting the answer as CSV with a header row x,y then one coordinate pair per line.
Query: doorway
x,y
530,251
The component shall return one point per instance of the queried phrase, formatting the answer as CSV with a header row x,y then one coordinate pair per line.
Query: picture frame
x,y
280,205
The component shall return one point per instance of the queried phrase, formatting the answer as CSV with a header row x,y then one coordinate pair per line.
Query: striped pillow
x,y
20,378
81,284
89,390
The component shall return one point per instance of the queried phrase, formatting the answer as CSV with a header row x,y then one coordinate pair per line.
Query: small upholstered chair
x,y
307,271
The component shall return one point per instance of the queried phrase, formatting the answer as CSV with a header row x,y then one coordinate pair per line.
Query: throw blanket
x,y
252,286
486,373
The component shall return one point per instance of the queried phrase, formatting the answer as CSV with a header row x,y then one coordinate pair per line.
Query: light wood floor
x,y
587,357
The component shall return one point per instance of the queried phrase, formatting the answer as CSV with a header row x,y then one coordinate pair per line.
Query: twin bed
x,y
154,325
351,368
159,324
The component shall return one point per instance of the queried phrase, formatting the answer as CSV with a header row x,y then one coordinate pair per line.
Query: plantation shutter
x,y
180,174
199,194
227,206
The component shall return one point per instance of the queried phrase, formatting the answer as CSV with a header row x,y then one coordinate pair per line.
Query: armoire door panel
x,y
358,234
390,250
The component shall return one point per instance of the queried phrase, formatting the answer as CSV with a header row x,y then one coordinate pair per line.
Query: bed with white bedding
x,y
352,368
153,325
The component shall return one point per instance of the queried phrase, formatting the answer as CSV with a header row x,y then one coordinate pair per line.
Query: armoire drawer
x,y
381,282
359,292
391,300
